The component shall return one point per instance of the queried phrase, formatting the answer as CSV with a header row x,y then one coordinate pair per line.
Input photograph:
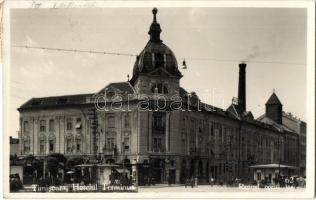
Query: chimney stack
x,y
242,86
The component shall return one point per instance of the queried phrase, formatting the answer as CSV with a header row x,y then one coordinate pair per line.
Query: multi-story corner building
x,y
154,122
299,127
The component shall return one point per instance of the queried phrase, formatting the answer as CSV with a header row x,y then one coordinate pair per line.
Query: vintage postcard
x,y
210,99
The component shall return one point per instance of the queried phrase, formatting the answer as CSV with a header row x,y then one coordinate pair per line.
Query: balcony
x,y
158,150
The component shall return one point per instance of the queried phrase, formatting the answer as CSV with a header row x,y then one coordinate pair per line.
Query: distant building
x,y
168,145
299,127
14,146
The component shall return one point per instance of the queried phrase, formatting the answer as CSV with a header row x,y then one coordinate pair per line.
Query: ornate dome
x,y
156,55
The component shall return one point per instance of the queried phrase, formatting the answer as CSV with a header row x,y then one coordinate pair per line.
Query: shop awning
x,y
273,166
120,170
97,165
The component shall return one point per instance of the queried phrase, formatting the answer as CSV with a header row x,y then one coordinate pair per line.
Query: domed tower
x,y
156,69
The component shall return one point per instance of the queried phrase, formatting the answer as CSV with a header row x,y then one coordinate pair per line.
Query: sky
x,y
213,41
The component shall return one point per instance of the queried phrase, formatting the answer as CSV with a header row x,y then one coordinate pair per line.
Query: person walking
x,y
192,182
196,181
187,182
212,181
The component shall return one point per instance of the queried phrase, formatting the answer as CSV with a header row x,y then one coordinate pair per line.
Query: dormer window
x,y
159,88
148,60
159,60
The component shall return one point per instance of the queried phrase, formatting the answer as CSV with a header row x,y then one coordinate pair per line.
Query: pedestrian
x,y
192,182
187,182
169,181
196,181
295,182
212,181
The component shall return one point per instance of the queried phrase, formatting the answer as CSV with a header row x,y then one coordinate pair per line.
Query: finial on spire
x,y
127,77
155,11
155,30
273,90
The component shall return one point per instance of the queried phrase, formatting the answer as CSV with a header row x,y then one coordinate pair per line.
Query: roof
x,y
273,166
123,86
273,100
237,112
156,55
182,92
267,120
14,140
144,62
55,101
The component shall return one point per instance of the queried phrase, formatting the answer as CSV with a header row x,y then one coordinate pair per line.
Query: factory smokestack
x,y
242,87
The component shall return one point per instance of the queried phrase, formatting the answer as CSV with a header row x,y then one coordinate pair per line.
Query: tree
x,y
55,161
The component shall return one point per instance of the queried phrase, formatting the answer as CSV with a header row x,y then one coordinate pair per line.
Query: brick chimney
x,y
242,87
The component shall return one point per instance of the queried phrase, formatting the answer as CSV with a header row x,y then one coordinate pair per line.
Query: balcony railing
x,y
158,150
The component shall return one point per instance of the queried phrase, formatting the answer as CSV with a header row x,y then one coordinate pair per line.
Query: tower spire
x,y
155,29
155,11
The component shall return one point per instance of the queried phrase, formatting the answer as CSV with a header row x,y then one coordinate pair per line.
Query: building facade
x,y
299,127
154,123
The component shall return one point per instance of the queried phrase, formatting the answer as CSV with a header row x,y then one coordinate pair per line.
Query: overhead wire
x,y
134,55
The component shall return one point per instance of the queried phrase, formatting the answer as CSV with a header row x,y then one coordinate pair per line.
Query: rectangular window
x,y
110,144
26,126
158,122
68,145
42,125
69,124
111,122
42,146
26,146
183,145
127,121
51,145
51,125
126,144
78,147
157,147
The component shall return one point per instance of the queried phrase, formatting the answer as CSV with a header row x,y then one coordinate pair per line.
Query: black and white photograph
x,y
158,98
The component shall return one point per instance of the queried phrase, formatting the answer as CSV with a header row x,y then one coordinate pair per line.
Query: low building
x,y
14,146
